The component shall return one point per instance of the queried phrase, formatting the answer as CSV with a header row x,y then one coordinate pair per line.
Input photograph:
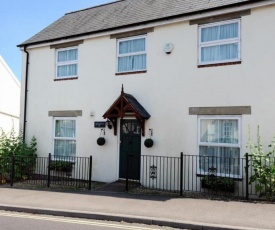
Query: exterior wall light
x,y
109,124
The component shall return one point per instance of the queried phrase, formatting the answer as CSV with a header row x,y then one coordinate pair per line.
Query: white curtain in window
x,y
219,131
132,61
225,160
132,46
64,147
219,52
67,70
129,63
65,128
67,55
219,32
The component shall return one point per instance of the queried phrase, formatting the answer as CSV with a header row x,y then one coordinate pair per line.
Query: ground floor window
x,y
64,141
219,145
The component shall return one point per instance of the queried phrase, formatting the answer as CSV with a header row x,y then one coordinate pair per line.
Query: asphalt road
x,y
24,221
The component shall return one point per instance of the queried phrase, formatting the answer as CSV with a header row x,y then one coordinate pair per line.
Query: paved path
x,y
169,211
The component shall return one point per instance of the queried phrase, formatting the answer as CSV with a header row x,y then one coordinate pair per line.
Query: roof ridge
x,y
109,3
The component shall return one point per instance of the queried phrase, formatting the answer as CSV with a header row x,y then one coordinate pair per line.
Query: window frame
x,y
219,42
63,138
226,145
131,54
64,63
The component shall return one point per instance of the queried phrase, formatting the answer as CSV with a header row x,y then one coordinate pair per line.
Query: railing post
x,y
90,173
246,176
49,170
181,173
127,173
12,169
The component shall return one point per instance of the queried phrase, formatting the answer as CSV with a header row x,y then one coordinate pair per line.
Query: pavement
x,y
183,213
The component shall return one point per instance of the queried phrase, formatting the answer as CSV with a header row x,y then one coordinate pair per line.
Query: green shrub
x,y
62,166
263,165
13,150
225,184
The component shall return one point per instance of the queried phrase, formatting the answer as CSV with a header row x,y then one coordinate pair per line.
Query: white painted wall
x,y
172,84
9,98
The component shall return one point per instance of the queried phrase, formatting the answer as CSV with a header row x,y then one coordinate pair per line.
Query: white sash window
x,y
220,42
66,63
64,137
219,145
131,54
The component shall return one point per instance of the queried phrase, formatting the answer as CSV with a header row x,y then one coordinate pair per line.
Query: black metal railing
x,y
248,177
210,175
48,171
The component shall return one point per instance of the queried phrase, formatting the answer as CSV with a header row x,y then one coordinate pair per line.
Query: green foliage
x,y
62,166
16,156
263,165
218,183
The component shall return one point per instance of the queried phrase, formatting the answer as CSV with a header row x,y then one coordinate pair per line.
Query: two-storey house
x,y
195,75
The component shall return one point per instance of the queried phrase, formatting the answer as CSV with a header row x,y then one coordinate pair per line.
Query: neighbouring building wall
x,y
9,99
171,86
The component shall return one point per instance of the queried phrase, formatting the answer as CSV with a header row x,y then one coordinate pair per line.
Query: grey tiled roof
x,y
122,14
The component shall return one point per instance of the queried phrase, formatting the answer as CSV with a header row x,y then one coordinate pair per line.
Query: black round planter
x,y
101,141
148,143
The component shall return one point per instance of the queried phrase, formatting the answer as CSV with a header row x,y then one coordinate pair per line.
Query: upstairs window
x,y
219,42
219,145
66,63
131,54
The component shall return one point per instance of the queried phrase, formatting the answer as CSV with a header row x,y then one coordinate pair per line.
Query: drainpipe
x,y
26,93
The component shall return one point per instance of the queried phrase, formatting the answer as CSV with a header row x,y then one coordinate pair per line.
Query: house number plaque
x,y
99,124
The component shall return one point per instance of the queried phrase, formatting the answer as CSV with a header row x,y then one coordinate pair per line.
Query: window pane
x,y
220,160
131,46
67,55
209,131
229,131
65,147
65,128
67,70
219,32
130,63
219,131
219,52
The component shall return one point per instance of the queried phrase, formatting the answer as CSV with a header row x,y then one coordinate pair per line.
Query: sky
x,y
21,19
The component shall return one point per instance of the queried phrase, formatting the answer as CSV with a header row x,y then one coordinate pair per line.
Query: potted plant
x,y
148,142
215,183
101,141
62,166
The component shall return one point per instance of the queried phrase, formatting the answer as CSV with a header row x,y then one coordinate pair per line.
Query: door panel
x,y
130,146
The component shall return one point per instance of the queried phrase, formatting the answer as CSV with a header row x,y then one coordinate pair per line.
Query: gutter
x,y
26,94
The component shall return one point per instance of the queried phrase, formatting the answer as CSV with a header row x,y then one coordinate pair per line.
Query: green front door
x,y
130,147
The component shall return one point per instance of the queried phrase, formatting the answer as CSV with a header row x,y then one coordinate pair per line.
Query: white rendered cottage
x,y
195,75
9,99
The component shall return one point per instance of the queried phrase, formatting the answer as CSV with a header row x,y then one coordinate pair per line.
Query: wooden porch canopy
x,y
126,105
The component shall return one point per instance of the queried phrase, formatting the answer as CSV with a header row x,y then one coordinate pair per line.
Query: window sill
x,y
234,177
65,79
219,64
133,72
